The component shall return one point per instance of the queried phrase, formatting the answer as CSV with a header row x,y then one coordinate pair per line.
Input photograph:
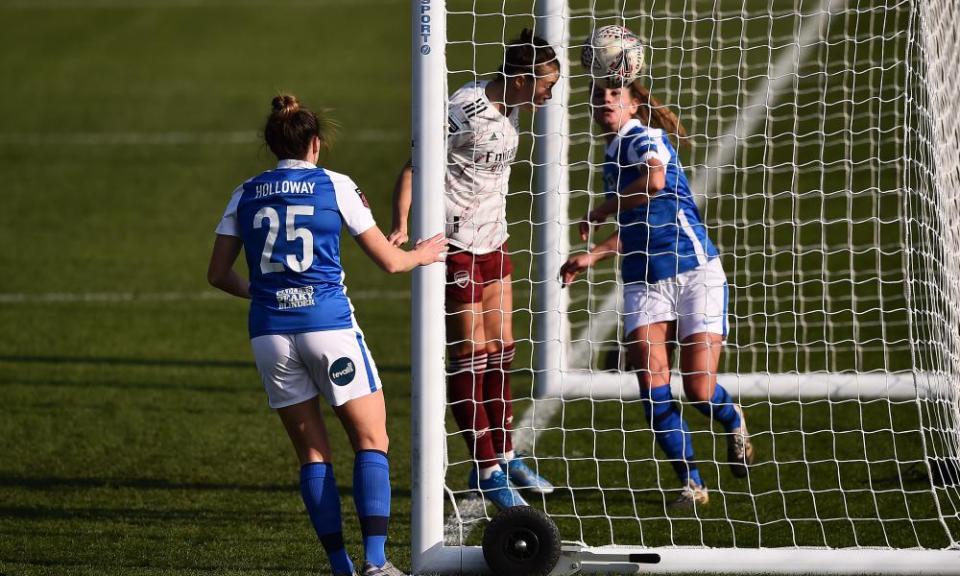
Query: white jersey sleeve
x,y
352,204
647,144
228,224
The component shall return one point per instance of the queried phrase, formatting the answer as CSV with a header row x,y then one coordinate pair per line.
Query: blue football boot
x,y
497,489
523,477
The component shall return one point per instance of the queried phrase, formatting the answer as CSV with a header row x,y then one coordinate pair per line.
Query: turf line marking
x,y
603,324
133,4
121,297
467,513
755,111
174,138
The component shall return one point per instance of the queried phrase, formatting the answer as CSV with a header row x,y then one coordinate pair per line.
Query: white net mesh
x,y
825,152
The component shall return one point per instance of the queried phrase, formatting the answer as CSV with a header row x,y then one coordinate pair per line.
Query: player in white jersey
x,y
305,339
675,291
483,119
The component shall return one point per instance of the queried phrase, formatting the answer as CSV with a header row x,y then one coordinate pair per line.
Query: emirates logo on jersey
x,y
495,160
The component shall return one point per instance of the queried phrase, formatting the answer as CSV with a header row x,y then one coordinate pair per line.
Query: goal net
x,y
824,153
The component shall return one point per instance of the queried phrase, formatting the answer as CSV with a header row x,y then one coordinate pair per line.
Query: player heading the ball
x,y
675,290
482,142
305,339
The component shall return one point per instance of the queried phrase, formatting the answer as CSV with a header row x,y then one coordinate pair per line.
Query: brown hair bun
x,y
285,104
290,128
524,55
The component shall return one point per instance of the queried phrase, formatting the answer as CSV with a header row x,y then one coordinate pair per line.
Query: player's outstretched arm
x,y
392,259
220,273
652,180
402,198
580,262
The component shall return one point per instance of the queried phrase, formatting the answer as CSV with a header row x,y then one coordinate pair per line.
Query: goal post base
x,y
633,560
469,560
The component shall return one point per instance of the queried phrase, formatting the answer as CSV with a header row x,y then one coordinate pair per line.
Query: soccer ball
x,y
613,53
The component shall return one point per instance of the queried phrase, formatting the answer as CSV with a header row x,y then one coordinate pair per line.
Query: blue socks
x,y
671,432
371,494
721,409
319,491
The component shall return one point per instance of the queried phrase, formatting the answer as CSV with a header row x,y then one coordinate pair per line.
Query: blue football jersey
x,y
289,220
665,236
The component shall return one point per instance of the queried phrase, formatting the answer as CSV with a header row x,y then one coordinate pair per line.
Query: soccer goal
x,y
824,150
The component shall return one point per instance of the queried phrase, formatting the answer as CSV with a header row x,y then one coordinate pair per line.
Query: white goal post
x,y
826,161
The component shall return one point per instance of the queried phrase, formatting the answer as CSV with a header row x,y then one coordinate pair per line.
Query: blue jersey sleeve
x,y
645,144
640,147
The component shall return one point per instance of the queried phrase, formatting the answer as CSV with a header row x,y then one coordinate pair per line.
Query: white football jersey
x,y
481,146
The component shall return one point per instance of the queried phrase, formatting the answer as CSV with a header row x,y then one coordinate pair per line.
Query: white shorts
x,y
296,367
696,300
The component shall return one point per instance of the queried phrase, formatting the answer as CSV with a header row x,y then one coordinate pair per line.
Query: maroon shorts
x,y
468,273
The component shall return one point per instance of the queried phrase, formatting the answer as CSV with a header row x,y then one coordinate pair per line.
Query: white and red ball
x,y
613,53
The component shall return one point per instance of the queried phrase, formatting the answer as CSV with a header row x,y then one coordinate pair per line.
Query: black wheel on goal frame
x,y
521,541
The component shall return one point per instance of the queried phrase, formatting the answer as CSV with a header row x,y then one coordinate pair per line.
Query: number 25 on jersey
x,y
297,263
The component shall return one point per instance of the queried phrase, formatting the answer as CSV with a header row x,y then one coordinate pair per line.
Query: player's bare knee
x,y
496,346
307,455
371,440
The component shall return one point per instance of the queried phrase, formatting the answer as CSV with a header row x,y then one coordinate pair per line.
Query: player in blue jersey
x,y
305,339
675,290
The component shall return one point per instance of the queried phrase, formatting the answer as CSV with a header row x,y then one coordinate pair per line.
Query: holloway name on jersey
x,y
481,146
289,220
665,236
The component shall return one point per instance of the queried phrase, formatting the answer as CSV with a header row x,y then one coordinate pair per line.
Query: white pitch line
x,y
468,511
120,297
723,150
755,111
175,138
101,4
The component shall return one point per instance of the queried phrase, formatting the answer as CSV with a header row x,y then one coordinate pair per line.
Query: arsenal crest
x,y
461,278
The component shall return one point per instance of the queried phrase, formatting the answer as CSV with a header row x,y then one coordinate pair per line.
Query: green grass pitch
x,y
134,435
